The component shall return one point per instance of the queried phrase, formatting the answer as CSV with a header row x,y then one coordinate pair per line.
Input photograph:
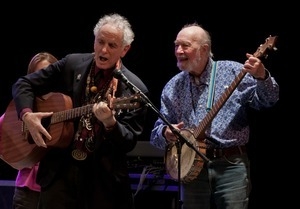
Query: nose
x,y
104,48
178,49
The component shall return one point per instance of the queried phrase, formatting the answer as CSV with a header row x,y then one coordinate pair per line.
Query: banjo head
x,y
191,163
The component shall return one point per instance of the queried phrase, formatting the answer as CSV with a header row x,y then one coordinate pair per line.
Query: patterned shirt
x,y
185,99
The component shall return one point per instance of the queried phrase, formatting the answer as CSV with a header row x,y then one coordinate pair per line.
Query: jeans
x,y
223,183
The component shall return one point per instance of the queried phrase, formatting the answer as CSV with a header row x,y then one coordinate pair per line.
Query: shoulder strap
x,y
211,90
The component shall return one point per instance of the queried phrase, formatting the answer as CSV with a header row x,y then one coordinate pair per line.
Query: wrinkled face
x,y
187,51
108,47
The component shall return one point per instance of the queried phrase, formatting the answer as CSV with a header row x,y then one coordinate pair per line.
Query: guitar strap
x,y
211,90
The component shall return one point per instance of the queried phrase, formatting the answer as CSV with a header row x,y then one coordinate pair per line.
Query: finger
x,y
95,107
44,114
248,55
46,134
104,107
109,107
47,113
41,142
110,101
38,139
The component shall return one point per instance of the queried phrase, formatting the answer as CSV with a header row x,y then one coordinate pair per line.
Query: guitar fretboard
x,y
260,52
199,131
71,113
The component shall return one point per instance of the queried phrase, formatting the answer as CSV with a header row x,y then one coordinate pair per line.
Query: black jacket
x,y
107,166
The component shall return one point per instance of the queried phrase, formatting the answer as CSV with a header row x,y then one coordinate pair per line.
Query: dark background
x,y
235,29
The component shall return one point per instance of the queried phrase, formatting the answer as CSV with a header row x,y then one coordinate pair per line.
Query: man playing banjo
x,y
195,95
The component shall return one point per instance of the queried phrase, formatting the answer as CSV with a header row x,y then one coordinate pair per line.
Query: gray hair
x,y
206,39
119,22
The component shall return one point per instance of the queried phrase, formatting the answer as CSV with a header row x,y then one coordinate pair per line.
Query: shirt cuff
x,y
25,110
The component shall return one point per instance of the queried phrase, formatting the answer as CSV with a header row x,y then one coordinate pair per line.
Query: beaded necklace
x,y
95,91
92,95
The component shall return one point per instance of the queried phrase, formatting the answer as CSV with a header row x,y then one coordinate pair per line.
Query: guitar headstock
x,y
131,102
268,45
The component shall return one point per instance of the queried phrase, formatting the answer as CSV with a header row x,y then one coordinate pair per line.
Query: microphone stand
x,y
181,139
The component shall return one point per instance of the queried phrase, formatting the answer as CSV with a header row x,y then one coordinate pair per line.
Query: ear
x,y
204,48
125,50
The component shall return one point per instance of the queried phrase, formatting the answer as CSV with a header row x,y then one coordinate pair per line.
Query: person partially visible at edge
x,y
26,194
27,191
224,182
91,172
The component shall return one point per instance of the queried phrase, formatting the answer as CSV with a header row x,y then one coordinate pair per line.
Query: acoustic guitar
x,y
191,163
15,146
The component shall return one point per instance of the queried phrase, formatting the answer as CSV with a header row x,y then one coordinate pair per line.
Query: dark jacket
x,y
106,167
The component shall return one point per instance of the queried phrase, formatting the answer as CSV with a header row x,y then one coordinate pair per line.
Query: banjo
x,y
191,162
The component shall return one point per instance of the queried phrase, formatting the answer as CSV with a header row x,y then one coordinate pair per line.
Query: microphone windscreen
x,y
117,74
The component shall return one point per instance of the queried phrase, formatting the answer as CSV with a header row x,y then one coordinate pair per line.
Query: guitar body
x,y
16,145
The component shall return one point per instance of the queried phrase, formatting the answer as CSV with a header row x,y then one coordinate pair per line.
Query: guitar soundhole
x,y
30,140
45,122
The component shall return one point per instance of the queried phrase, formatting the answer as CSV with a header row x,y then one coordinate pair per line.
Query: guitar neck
x,y
130,102
199,131
260,53
71,113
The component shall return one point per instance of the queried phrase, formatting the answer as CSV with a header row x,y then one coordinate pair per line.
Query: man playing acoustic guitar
x,y
85,166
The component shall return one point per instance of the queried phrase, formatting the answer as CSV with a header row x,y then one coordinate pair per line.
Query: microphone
x,y
120,76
